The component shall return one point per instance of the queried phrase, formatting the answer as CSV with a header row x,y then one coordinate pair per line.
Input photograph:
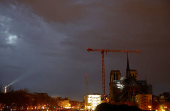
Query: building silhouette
x,y
126,88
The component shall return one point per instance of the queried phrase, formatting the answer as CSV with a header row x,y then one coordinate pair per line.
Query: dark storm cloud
x,y
26,47
58,11
49,41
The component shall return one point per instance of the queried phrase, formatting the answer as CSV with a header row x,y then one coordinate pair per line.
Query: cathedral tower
x,y
130,72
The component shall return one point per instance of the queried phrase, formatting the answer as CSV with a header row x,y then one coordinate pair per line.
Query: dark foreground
x,y
109,107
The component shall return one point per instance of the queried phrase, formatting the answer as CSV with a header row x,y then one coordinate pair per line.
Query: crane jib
x,y
103,65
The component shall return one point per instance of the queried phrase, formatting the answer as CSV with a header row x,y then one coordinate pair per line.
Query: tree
x,y
10,88
1,89
109,107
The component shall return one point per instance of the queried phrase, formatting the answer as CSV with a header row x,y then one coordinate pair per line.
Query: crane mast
x,y
103,75
103,65
86,84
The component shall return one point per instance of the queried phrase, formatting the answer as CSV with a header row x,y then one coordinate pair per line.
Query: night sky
x,y
43,43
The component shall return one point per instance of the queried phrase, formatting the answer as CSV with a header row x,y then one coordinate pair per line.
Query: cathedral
x,y
126,88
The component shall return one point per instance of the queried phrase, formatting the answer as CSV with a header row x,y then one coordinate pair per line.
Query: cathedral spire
x,y
127,68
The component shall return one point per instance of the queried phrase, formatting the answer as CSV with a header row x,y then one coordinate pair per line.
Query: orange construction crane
x,y
86,84
103,66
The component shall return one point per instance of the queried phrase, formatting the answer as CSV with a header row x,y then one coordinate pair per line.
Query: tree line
x,y
22,100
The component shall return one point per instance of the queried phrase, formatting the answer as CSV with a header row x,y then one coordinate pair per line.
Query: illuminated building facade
x,y
63,102
164,97
144,101
126,88
91,101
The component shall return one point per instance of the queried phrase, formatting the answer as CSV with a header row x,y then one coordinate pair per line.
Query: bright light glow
x,y
165,107
149,106
91,101
119,85
161,107
18,79
5,89
12,39
67,107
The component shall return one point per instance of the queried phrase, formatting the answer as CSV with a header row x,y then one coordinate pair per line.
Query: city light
x,y
5,89
165,107
162,108
44,57
149,107
91,101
